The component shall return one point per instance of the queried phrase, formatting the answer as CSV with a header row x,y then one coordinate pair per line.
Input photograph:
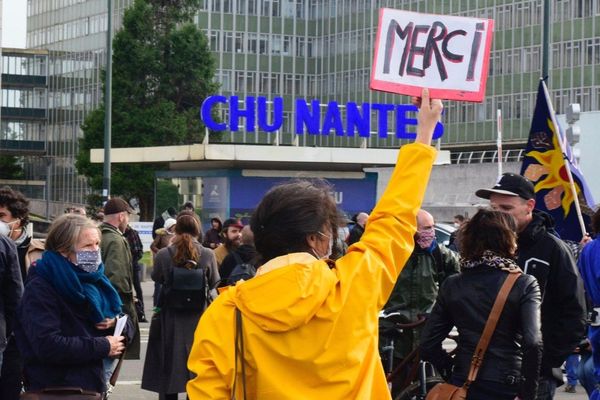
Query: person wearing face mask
x,y
117,260
418,284
309,324
67,315
14,221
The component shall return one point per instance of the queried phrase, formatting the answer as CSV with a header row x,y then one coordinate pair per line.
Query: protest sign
x,y
447,54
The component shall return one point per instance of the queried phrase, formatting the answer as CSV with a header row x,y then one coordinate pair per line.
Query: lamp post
x,y
107,108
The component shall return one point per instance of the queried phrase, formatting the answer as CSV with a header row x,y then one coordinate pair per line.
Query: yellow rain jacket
x,y
310,331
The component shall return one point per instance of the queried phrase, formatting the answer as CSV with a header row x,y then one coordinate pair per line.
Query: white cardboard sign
x,y
447,54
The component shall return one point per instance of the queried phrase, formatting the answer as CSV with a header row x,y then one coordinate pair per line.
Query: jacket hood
x,y
287,292
541,222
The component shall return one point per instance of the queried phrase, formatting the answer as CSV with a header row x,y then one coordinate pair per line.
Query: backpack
x,y
242,270
188,288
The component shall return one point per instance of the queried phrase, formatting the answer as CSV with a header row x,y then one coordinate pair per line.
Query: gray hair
x,y
65,230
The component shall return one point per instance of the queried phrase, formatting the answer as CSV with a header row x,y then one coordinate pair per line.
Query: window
x,y
239,42
228,42
214,37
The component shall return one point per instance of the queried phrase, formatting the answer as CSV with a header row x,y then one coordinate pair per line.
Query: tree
x,y
11,168
162,71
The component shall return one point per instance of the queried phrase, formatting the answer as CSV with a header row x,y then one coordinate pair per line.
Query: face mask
x,y
5,229
88,260
425,238
329,249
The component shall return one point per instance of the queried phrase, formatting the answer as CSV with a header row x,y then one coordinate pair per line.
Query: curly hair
x,y
490,230
16,203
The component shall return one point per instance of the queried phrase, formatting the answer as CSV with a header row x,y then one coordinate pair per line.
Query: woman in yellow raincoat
x,y
309,325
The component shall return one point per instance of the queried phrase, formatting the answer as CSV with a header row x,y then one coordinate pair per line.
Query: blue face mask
x,y
88,260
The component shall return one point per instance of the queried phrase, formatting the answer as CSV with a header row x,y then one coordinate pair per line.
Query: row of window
x,y
302,9
35,7
507,16
21,130
24,98
68,30
24,65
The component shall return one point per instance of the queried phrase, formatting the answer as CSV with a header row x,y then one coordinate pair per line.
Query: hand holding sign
x,y
430,111
447,54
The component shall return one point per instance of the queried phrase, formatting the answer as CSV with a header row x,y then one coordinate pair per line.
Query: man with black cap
x,y
117,262
543,255
232,239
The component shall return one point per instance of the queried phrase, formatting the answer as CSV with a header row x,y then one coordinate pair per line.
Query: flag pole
x,y
565,158
499,141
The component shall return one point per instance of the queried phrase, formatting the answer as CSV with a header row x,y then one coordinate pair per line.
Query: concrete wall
x,y
451,188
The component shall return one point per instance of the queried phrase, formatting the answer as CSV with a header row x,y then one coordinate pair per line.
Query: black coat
x,y
58,342
465,301
11,288
546,257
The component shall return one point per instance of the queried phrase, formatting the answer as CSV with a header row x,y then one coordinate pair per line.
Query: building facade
x,y
323,49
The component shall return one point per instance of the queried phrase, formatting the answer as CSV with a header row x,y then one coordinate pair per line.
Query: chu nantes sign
x,y
308,117
447,54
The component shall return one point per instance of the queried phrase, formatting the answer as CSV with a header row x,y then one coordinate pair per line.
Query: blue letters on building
x,y
308,117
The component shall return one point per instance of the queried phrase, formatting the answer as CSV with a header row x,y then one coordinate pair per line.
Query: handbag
x,y
72,393
447,391
62,393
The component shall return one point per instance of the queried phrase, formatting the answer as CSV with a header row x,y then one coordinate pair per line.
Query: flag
x,y
544,164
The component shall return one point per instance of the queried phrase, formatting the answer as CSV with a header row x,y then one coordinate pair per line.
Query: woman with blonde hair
x,y
68,310
187,271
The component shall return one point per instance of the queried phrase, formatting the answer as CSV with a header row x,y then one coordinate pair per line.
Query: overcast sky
x,y
14,23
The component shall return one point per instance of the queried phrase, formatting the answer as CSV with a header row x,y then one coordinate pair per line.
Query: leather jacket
x,y
515,350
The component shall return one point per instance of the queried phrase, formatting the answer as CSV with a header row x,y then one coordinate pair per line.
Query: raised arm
x,y
373,264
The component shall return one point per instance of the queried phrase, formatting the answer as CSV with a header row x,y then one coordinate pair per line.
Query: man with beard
x,y
232,239
117,262
418,284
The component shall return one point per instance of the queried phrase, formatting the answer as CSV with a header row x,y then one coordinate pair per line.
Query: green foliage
x,y
10,168
167,195
162,71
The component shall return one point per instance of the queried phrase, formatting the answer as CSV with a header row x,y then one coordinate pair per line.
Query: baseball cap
x,y
510,185
232,222
117,205
169,223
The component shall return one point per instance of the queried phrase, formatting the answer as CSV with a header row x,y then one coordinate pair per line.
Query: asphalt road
x,y
128,385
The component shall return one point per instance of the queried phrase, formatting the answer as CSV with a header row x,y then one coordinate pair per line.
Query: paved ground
x,y
128,387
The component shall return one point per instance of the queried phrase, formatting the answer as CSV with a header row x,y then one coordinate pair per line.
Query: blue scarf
x,y
80,287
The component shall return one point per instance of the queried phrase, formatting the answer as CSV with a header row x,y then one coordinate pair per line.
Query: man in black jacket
x,y
11,290
545,256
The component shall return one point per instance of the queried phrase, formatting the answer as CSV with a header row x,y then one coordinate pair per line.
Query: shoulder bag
x,y
447,391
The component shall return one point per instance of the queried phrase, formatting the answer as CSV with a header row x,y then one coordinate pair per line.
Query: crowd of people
x,y
286,307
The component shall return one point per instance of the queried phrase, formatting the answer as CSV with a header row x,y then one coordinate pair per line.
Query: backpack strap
x,y
238,259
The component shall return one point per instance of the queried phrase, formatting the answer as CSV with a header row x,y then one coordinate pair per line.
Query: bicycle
x,y
416,377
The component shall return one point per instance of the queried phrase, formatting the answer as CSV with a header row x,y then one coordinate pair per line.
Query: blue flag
x,y
544,165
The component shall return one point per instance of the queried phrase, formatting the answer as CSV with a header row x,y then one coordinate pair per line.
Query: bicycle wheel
x,y
413,392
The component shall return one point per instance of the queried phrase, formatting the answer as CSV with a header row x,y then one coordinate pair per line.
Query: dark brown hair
x,y
187,230
289,213
16,202
488,230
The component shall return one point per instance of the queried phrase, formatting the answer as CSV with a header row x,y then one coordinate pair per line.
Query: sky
x,y
14,23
